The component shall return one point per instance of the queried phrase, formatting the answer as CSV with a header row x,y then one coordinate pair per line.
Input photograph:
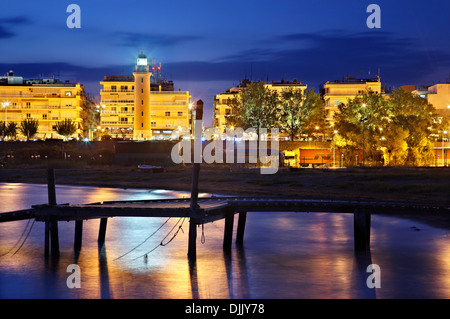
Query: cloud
x,y
5,33
8,24
131,39
18,20
311,58
319,57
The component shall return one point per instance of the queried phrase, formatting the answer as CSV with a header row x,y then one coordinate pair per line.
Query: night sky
x,y
207,47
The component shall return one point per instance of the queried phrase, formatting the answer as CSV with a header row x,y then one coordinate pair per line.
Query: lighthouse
x,y
142,123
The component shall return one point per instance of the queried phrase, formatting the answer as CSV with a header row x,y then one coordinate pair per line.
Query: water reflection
x,y
285,255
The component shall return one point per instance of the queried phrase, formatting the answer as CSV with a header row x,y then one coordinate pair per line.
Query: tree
x,y
90,118
415,114
292,113
66,128
316,114
3,129
11,129
400,123
256,106
29,128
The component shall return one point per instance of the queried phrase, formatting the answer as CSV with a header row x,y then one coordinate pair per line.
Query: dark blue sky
x,y
207,46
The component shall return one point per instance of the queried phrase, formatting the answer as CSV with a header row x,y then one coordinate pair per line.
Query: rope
x,y
170,240
144,240
202,239
18,240
25,238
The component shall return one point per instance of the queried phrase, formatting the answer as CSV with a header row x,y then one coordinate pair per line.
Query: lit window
x,y
68,93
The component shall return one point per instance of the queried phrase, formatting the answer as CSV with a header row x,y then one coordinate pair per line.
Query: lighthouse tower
x,y
142,123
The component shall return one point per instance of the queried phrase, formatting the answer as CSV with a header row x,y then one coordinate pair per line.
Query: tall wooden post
x,y
228,231
193,221
78,235
192,240
102,231
361,227
51,224
241,228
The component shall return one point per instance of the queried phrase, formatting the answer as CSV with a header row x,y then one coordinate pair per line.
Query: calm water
x,y
285,255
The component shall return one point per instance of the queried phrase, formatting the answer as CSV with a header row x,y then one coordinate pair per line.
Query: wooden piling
x,y
54,238
51,186
194,207
51,225
47,239
192,240
228,231
102,231
241,228
78,235
361,227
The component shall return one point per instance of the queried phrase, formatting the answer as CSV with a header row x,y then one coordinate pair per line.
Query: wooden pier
x,y
206,210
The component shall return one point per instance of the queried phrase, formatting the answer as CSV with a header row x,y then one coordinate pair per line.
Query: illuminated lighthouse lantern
x,y
142,123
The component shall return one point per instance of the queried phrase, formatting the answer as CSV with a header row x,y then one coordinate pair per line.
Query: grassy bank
x,y
409,184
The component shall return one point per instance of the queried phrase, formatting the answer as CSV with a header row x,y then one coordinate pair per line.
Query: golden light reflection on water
x,y
285,255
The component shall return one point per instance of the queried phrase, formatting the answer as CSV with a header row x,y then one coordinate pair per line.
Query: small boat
x,y
151,168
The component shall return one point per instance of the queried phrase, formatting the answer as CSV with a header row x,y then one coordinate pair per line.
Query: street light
x,y
364,137
443,150
5,105
334,149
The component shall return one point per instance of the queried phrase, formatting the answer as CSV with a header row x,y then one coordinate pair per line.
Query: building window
x,y
54,128
180,113
142,113
142,102
142,90
336,103
167,113
28,116
113,88
153,124
28,104
142,80
68,93
44,116
142,124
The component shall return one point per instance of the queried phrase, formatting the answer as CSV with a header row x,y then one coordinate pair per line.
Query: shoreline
x,y
395,184
389,185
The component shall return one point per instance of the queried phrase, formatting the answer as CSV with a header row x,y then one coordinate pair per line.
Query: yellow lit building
x,y
439,96
47,100
222,110
339,92
143,106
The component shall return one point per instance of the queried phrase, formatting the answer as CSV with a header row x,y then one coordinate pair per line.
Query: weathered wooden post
x,y
102,231
361,228
228,231
51,224
78,235
241,228
192,249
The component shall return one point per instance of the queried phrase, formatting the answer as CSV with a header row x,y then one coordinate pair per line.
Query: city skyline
x,y
207,47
